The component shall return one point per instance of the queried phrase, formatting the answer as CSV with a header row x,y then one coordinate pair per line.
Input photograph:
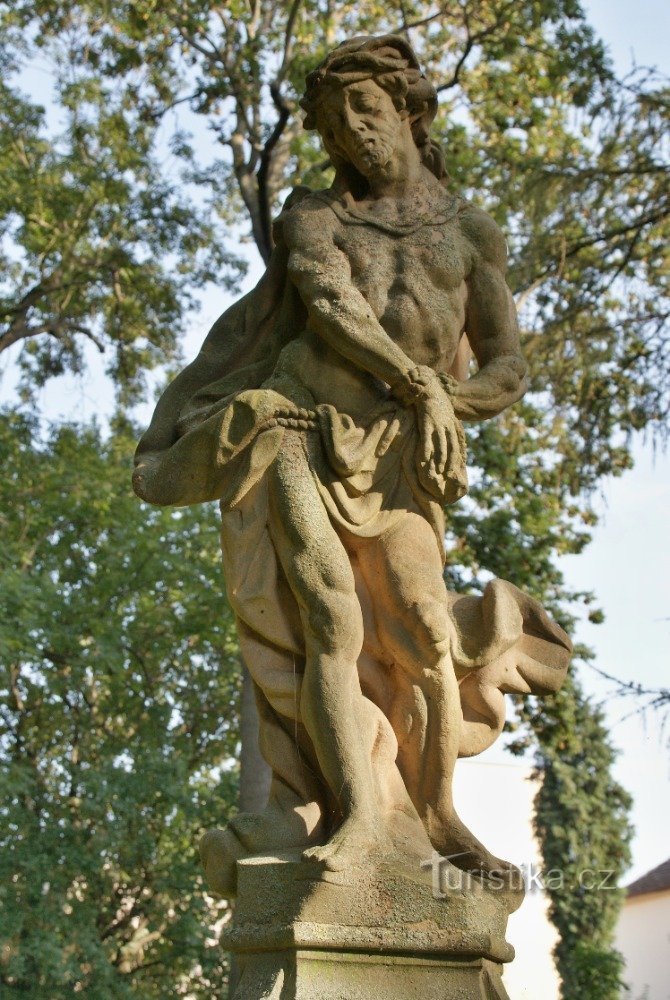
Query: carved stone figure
x,y
324,413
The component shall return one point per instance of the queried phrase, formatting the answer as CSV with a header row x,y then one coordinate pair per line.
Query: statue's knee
x,y
432,631
335,625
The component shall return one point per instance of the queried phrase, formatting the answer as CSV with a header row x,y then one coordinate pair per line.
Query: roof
x,y
657,880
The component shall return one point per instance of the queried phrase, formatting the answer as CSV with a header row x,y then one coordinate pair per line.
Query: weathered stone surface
x,y
368,932
330,975
324,413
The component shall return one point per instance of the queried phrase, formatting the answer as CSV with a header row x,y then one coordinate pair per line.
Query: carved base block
x,y
304,934
341,975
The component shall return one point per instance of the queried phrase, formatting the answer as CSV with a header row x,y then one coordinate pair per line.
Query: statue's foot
x,y
220,850
457,844
249,834
352,843
275,830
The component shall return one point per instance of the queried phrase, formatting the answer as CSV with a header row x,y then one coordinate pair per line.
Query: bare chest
x,y
415,284
434,250
431,260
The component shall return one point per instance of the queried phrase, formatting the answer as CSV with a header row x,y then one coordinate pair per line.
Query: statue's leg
x,y
402,569
319,573
293,814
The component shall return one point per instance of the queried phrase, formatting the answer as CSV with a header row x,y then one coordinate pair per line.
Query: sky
x,y
626,565
627,562
635,31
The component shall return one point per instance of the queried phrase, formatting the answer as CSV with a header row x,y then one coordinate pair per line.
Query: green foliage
x,y
99,246
586,210
110,220
581,819
118,725
519,515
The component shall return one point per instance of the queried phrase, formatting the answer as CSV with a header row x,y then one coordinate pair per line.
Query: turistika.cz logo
x,y
447,877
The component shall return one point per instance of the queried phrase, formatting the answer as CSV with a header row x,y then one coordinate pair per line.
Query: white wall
x,y
496,802
643,938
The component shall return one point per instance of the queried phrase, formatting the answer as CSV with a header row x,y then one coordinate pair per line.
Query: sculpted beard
x,y
375,147
367,150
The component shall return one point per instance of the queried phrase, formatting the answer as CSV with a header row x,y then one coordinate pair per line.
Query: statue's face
x,y
360,123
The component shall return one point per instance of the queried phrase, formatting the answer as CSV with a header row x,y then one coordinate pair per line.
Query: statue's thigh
x,y
315,561
408,563
403,573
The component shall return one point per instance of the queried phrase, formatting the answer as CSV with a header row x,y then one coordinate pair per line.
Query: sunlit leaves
x,y
99,245
118,724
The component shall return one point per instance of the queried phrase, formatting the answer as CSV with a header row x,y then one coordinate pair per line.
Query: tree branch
x,y
472,40
284,112
409,25
632,227
288,41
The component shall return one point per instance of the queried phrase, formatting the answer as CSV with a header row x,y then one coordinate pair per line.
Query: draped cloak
x,y
215,432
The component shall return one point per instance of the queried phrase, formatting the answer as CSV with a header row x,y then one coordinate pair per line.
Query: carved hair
x,y
390,61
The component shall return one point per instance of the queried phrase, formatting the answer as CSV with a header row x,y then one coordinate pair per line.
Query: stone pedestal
x,y
304,934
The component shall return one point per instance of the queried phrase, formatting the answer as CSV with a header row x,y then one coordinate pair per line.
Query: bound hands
x,y
440,457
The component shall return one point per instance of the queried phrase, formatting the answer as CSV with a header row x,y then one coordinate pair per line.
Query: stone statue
x,y
324,413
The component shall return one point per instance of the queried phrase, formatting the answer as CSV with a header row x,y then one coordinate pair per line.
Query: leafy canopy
x,y
118,725
99,246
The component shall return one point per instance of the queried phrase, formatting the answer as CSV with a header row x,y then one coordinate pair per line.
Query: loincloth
x,y
365,472
365,469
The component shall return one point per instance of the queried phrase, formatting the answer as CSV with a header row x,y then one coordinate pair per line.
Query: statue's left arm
x,y
490,324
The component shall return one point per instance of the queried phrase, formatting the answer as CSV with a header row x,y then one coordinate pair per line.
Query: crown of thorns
x,y
390,61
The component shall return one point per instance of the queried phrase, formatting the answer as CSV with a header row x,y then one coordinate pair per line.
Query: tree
x,y
570,160
581,820
119,700
100,246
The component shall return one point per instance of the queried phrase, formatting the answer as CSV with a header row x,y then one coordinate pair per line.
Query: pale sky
x,y
626,564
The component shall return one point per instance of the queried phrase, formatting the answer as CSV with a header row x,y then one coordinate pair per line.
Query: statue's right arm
x,y
337,311
161,432
219,354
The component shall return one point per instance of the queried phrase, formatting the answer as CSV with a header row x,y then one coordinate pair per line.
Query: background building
x,y
643,935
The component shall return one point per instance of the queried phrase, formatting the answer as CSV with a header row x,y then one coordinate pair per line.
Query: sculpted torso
x,y
391,277
380,301
415,284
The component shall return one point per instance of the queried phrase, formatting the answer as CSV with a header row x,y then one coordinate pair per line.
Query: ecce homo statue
x,y
324,413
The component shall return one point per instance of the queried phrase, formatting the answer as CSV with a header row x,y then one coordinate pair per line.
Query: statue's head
x,y
364,96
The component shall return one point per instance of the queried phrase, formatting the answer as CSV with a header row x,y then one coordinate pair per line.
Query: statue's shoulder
x,y
482,232
304,200
302,205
